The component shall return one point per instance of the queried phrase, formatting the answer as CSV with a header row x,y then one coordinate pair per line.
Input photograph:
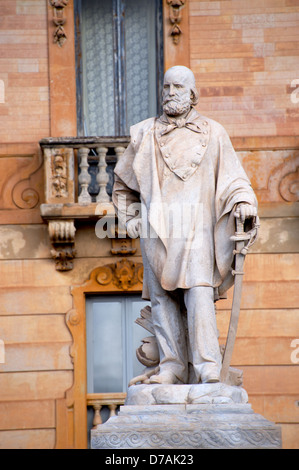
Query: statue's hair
x,y
195,96
191,78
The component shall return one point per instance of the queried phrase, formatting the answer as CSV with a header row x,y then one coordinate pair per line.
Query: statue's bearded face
x,y
176,94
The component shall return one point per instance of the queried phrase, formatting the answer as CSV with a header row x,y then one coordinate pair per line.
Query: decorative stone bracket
x,y
62,237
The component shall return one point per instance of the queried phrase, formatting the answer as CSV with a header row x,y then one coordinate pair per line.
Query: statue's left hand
x,y
246,211
134,228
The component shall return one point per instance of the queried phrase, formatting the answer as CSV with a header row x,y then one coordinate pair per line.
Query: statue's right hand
x,y
134,228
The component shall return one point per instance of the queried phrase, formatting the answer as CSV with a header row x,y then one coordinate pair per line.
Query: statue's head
x,y
179,91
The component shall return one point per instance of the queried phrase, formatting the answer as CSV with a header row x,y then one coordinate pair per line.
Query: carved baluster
x,y
84,177
119,151
97,415
112,409
102,176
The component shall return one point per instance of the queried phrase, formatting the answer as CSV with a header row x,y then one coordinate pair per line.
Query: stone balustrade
x,y
79,169
99,400
78,174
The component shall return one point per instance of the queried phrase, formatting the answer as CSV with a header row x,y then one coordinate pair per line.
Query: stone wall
x,y
37,368
244,55
24,115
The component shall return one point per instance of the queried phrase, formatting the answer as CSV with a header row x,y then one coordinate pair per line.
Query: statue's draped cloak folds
x,y
188,179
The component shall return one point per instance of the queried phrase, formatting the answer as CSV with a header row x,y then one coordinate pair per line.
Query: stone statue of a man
x,y
183,170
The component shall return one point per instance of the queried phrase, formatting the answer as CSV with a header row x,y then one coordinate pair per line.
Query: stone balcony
x,y
78,185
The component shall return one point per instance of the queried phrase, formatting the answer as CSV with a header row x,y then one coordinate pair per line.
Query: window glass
x,y
112,340
97,67
141,71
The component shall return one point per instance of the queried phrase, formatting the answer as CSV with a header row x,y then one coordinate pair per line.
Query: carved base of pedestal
x,y
206,423
187,427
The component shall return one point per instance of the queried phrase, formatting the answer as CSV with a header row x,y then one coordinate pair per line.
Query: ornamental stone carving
x,y
59,170
289,186
62,237
59,20
123,274
175,18
59,175
284,180
188,426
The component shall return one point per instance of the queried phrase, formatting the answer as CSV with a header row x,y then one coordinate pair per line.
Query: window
x,y
112,340
119,64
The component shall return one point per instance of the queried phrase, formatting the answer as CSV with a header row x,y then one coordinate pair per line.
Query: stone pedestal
x,y
205,421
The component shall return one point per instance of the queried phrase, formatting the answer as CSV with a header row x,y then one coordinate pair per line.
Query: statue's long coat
x,y
188,180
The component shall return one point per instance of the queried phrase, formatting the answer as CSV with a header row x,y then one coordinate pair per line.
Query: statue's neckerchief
x,y
172,123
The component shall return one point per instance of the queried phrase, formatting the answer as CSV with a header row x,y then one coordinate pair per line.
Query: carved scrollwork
x,y
123,274
26,198
289,186
105,276
23,195
72,317
284,180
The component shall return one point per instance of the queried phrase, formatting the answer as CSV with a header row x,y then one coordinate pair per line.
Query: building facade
x,y
67,69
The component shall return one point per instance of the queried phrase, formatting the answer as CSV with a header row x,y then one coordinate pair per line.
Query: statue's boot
x,y
210,379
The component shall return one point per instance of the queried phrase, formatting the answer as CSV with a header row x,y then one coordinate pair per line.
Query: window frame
x,y
71,416
119,65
